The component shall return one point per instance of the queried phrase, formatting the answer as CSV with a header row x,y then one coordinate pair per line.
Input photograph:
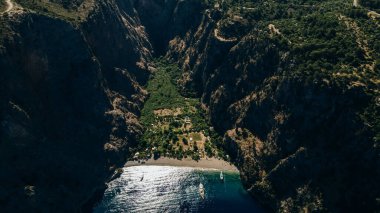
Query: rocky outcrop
x,y
70,99
302,129
118,39
299,139
164,20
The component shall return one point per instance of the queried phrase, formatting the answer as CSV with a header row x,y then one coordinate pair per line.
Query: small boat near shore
x,y
221,176
176,189
202,191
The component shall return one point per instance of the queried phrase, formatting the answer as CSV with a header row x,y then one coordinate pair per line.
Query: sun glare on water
x,y
175,189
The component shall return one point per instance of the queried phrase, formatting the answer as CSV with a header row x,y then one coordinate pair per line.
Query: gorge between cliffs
x,y
288,91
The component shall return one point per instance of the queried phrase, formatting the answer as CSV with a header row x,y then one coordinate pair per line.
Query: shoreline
x,y
209,163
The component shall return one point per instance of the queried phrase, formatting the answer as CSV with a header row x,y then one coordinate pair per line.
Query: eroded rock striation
x,y
294,89
70,99
294,118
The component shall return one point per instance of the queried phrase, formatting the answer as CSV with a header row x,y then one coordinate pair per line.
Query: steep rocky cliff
x,y
164,20
296,94
70,99
292,85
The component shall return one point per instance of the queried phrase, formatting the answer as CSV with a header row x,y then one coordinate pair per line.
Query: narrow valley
x,y
189,106
175,126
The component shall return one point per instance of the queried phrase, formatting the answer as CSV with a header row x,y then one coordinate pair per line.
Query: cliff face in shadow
x,y
70,97
301,128
164,20
293,88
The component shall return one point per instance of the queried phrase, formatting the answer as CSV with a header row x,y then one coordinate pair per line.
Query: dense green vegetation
x,y
315,39
181,128
329,42
163,94
2,6
317,61
373,4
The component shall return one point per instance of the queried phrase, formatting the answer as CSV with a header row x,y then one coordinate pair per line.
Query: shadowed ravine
x,y
286,90
175,127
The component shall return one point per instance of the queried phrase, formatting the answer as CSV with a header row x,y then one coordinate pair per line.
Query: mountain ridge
x,y
292,85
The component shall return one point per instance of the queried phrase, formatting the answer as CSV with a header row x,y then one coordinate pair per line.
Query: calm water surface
x,y
175,189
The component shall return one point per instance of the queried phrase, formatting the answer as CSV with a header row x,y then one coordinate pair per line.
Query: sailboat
x,y
221,176
201,191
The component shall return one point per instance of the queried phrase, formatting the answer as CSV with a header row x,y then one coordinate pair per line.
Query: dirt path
x,y
360,37
220,37
362,72
10,5
356,3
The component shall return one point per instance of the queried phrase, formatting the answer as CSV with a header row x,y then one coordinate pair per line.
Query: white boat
x,y
201,191
221,176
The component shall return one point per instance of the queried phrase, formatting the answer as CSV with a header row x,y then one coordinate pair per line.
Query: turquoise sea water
x,y
175,189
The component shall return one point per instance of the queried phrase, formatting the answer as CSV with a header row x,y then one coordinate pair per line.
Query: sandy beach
x,y
210,163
